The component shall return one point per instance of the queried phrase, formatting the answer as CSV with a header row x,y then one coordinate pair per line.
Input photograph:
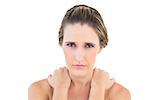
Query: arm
x,y
60,94
99,84
97,94
60,81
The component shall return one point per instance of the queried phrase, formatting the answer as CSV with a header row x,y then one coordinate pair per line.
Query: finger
x,y
110,83
50,81
68,73
49,78
94,71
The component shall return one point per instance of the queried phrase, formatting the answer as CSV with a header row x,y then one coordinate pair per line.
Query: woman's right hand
x,y
60,79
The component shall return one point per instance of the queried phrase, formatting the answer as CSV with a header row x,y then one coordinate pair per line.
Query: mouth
x,y
79,66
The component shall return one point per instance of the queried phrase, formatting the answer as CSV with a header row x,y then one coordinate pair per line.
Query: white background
x,y
29,48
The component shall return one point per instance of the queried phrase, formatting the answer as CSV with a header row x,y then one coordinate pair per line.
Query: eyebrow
x,y
84,42
69,42
90,43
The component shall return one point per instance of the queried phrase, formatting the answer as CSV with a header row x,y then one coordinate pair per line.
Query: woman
x,y
82,36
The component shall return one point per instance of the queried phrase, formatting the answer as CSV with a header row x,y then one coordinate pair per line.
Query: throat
x,y
79,92
81,82
80,85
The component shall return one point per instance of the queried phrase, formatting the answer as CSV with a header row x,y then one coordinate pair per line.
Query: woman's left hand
x,y
99,83
101,79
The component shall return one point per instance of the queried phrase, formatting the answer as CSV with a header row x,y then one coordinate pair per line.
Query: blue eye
x,y
71,44
89,45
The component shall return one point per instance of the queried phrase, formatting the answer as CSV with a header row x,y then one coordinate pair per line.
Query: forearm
x,y
60,94
97,94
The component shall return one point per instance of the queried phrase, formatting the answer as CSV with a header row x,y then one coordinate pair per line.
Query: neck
x,y
81,82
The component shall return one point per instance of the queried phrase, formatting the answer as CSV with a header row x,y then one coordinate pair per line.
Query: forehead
x,y
80,33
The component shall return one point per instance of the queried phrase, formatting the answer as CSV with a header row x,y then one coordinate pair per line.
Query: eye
x,y
71,44
89,45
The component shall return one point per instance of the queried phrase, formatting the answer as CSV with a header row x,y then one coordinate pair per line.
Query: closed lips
x,y
79,65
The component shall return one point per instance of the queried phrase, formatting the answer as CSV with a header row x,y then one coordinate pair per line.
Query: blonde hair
x,y
85,15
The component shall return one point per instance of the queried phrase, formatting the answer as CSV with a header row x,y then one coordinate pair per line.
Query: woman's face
x,y
80,46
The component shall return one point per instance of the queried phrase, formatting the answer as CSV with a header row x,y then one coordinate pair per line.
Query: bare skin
x,y
79,80
42,90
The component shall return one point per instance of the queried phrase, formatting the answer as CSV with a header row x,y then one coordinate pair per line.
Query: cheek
x,y
91,56
68,54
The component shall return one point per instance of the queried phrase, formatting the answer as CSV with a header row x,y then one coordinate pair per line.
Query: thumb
x,y
50,81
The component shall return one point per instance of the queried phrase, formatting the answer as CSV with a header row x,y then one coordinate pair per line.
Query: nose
x,y
79,55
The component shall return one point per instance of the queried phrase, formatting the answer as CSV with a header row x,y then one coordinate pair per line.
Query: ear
x,y
99,50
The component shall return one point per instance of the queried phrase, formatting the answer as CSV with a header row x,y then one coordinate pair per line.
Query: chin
x,y
79,72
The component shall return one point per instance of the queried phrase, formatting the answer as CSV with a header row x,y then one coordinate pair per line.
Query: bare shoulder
x,y
40,90
118,92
